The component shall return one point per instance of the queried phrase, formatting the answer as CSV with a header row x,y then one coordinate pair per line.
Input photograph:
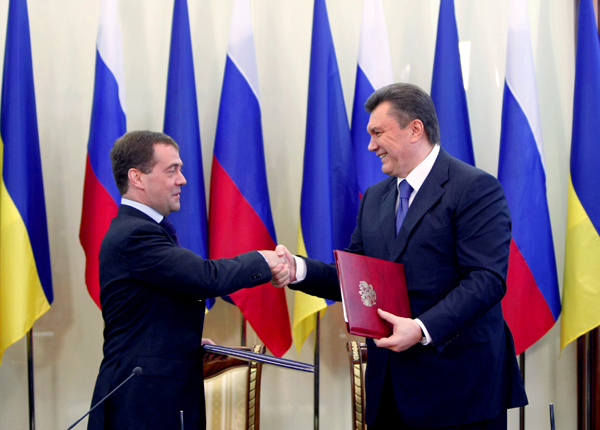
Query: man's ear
x,y
135,178
418,130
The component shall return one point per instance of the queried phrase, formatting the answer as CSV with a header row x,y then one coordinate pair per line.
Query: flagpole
x,y
243,330
317,371
588,380
582,378
594,397
30,378
522,408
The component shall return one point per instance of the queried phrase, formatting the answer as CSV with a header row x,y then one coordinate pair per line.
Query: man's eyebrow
x,y
174,164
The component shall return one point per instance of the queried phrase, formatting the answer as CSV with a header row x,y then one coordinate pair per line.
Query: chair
x,y
232,391
357,354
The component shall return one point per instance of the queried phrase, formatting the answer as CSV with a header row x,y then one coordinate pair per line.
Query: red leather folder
x,y
368,284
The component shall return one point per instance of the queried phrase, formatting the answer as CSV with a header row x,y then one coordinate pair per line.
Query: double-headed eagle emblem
x,y
367,294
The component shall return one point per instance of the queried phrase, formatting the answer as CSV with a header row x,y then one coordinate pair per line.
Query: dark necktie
x,y
404,189
170,228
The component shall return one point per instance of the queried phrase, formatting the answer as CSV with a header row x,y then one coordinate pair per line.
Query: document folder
x,y
368,284
259,358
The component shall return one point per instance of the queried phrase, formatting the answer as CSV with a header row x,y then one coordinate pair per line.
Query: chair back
x,y
357,355
232,391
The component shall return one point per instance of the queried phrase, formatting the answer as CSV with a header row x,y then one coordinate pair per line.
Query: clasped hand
x,y
282,265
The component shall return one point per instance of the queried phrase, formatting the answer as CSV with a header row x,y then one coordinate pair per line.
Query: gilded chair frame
x,y
217,364
357,357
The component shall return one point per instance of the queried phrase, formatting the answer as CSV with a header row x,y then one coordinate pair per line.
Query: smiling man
x,y
152,293
453,366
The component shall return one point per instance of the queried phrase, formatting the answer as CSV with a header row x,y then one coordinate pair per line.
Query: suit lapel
x,y
429,193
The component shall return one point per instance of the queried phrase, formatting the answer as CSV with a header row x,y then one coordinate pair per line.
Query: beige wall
x,y
68,339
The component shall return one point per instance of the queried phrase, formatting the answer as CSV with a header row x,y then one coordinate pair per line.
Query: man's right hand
x,y
280,269
284,253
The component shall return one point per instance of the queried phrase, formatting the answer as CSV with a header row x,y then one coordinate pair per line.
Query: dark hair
x,y
135,149
409,102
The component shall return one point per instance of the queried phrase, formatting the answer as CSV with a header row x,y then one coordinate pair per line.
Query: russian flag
x,y
240,212
581,291
329,201
25,278
182,124
374,71
447,88
532,302
100,195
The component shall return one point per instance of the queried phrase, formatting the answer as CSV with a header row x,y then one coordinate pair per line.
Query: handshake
x,y
282,265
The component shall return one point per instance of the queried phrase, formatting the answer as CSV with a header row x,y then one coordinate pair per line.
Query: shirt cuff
x,y
300,269
427,339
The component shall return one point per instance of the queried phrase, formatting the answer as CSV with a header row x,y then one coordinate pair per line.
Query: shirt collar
x,y
418,175
143,208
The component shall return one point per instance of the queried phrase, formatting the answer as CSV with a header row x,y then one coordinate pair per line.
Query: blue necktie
x,y
170,228
404,189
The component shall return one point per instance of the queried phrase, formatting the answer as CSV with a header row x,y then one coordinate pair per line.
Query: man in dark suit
x,y
453,366
152,293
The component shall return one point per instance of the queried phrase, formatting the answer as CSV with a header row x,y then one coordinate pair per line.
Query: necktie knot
x,y
405,189
170,228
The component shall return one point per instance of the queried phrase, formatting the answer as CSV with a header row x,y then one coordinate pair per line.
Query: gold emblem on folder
x,y
367,294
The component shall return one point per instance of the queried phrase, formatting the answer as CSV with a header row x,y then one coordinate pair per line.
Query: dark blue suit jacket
x,y
454,245
152,294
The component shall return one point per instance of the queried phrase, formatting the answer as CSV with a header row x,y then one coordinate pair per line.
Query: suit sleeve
x,y
152,259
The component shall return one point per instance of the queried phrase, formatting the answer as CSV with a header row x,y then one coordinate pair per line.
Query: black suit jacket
x,y
152,294
454,244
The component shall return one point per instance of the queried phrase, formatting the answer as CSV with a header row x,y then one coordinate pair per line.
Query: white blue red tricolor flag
x,y
532,302
240,212
374,71
100,195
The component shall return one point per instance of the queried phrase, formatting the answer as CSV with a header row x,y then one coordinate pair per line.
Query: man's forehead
x,y
379,116
167,153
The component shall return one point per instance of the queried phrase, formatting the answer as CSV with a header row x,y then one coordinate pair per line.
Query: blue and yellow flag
x,y
25,278
447,88
329,202
182,124
581,292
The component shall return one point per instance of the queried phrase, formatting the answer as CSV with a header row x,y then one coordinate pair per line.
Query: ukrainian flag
x,y
329,201
447,88
581,292
25,278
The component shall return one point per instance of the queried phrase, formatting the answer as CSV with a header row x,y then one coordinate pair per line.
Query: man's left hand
x,y
406,332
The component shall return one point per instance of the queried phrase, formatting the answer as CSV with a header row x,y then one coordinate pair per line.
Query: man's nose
x,y
182,180
372,145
